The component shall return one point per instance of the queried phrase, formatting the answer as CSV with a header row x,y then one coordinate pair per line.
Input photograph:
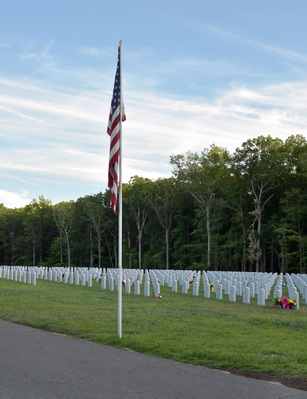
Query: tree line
x,y
245,211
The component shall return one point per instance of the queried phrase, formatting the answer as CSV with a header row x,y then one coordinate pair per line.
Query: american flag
x,y
114,133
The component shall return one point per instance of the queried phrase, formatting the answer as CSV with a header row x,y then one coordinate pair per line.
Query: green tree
x,y
259,161
290,228
63,216
38,228
137,197
96,213
202,176
162,198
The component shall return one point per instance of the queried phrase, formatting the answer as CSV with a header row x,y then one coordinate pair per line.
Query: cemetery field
x,y
182,327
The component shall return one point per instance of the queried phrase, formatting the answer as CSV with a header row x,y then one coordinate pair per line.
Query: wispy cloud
x,y
20,114
243,39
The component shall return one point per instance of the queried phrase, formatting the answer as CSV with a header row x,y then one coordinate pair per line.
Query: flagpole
x,y
120,214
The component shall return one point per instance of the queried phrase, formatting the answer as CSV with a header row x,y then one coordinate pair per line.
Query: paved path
x,y
36,364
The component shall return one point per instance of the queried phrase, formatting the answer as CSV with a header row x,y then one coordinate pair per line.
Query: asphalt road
x,y
36,364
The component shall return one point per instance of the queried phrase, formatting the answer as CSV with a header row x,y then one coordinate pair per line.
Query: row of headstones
x,y
29,274
232,283
241,284
154,278
78,276
300,281
18,273
131,278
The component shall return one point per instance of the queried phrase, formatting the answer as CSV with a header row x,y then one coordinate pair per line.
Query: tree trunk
x,y
129,246
167,248
140,248
91,248
68,249
243,248
99,251
33,253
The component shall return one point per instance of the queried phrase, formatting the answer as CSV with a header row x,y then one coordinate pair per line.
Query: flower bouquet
x,y
284,302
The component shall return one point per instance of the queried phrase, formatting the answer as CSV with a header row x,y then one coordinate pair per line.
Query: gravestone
x,y
103,281
156,289
252,290
137,287
128,286
147,287
207,290
232,293
185,285
296,297
261,297
239,287
227,287
246,295
218,290
195,288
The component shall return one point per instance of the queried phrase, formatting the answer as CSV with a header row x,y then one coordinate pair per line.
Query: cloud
x,y
71,141
54,136
13,199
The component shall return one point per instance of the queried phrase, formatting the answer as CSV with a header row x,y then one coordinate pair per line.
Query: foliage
x,y
245,211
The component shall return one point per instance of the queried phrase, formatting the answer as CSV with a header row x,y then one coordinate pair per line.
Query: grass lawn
x,y
197,330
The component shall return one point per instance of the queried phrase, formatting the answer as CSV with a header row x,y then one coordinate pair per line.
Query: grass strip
x,y
182,327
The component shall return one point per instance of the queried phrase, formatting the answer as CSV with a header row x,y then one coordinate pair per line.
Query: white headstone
x,y
219,291
103,281
261,297
246,295
195,288
232,294
147,287
137,287
128,286
207,290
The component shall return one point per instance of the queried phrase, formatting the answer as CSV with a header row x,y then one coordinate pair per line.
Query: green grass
x,y
196,330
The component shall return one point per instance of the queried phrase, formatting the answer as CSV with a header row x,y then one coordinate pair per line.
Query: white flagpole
x,y
120,201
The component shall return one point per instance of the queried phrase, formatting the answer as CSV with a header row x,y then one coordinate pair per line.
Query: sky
x,y
194,73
